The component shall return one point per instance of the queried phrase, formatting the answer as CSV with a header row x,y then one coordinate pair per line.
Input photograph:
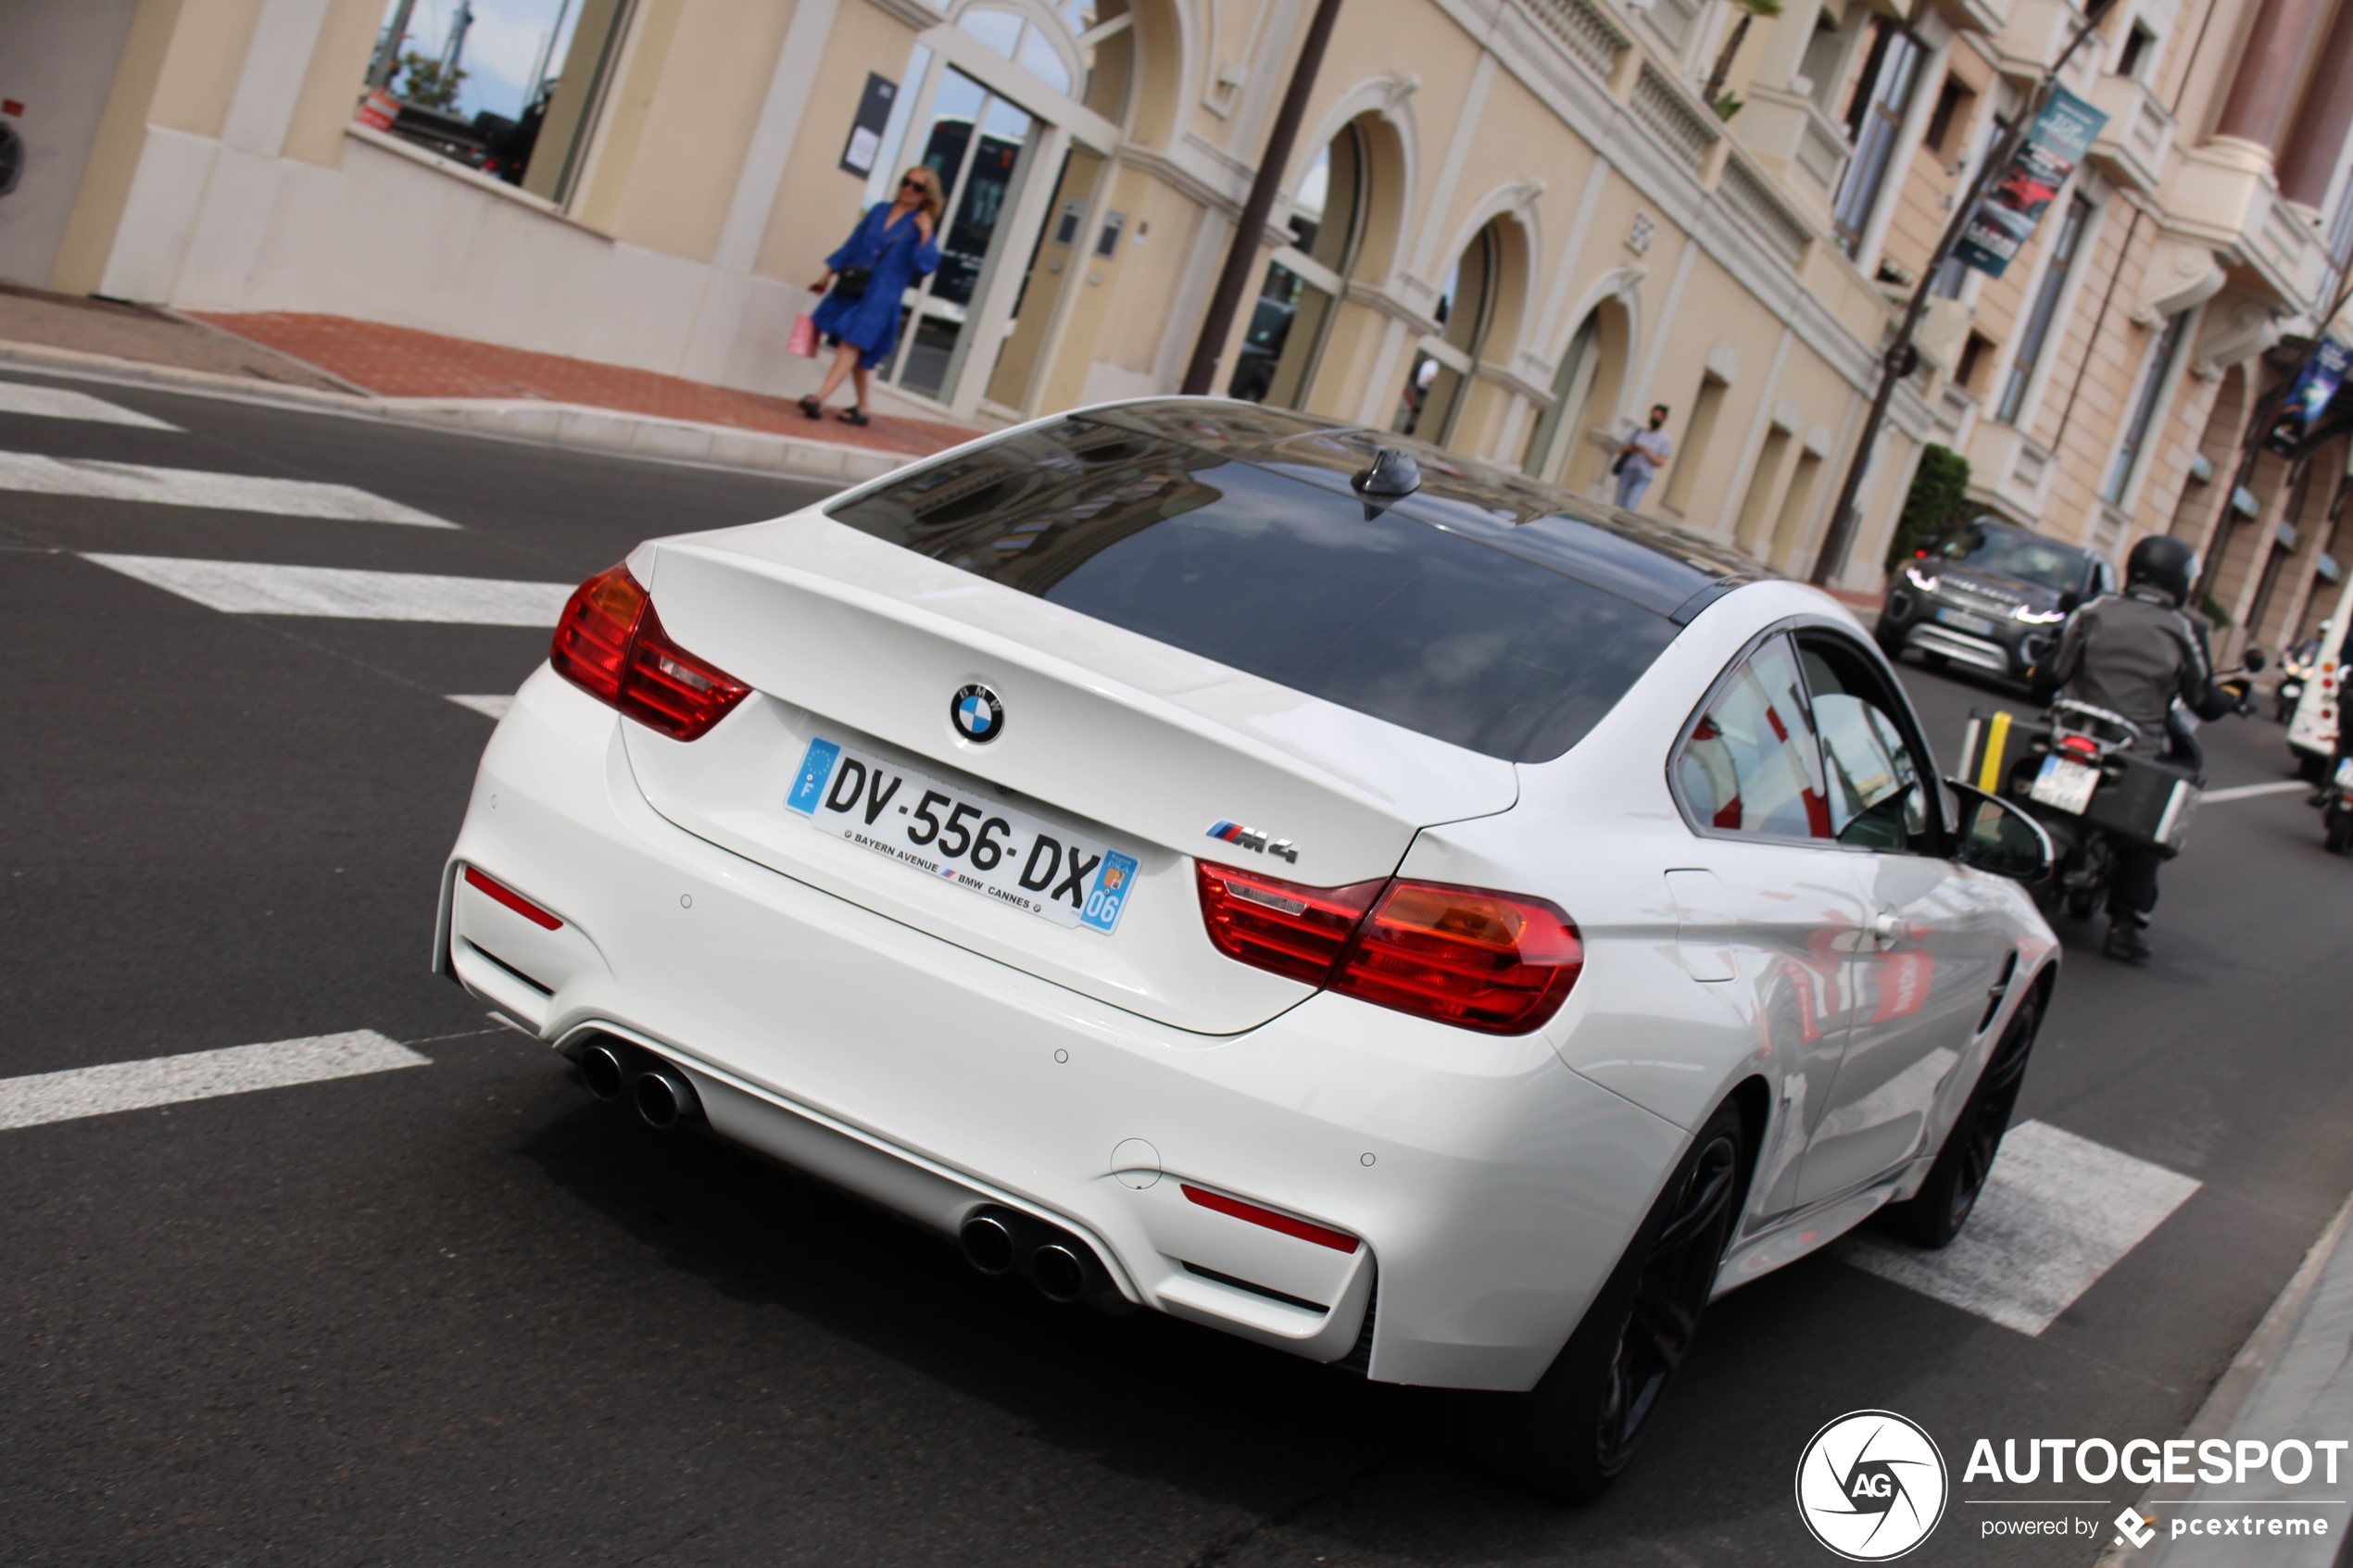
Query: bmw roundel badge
x,y
977,713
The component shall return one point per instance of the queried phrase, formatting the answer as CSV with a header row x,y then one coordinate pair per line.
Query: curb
x,y
564,426
2293,1378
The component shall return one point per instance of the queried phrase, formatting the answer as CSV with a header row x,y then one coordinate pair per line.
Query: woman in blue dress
x,y
895,243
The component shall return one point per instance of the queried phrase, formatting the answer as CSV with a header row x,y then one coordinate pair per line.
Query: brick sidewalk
x,y
402,362
150,337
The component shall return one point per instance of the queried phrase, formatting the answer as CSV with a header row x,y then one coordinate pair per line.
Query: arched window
x,y
1015,105
1293,316
1432,399
1547,451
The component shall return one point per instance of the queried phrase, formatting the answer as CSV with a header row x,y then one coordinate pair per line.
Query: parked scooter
x,y
2076,774
2295,668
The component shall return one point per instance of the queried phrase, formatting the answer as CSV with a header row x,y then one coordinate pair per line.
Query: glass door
x,y
980,144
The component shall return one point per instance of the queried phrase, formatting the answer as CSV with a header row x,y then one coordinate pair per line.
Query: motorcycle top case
x,y
2139,799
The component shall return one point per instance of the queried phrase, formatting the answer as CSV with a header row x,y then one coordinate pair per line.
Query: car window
x,y
1749,764
1369,608
2013,552
1878,790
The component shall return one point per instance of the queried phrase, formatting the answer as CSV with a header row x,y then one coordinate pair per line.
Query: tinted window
x,y
2013,552
1749,764
1416,625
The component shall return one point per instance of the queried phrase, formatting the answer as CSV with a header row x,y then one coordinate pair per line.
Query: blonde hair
x,y
927,180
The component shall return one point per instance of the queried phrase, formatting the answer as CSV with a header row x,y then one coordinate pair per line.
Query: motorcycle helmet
x,y
2167,565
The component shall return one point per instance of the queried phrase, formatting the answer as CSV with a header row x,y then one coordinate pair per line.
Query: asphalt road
x,y
462,1312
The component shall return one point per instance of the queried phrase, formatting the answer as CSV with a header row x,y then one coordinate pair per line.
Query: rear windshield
x,y
1286,580
2013,552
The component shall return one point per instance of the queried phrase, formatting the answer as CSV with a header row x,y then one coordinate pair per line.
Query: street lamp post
x,y
1900,358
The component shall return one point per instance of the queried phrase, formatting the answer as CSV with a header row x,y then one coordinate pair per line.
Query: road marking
x,y
253,588
57,403
2057,1212
169,1080
88,477
489,706
2242,792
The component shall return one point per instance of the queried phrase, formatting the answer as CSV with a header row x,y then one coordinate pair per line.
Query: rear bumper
x,y
1489,1189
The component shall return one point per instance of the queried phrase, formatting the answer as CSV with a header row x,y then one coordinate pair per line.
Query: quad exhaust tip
x,y
603,1070
664,1098
1004,1241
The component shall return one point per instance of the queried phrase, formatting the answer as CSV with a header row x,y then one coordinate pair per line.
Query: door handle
x,y
1887,926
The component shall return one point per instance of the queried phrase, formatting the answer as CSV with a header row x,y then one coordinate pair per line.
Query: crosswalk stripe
x,y
169,1080
33,473
489,706
255,588
2242,792
59,402
2057,1212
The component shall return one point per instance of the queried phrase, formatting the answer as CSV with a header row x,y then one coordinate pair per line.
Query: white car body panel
x,y
935,1052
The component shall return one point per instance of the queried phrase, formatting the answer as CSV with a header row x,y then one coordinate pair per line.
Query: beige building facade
x,y
1507,226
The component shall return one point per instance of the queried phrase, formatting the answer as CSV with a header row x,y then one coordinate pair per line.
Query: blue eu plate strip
x,y
1110,891
815,768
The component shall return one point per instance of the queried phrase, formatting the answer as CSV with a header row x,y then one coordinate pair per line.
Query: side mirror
x,y
1996,836
2253,659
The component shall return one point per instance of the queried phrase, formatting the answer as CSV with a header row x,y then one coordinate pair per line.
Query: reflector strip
x,y
513,900
1338,1241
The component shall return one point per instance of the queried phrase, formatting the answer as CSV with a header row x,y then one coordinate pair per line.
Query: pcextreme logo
x,y
1871,1486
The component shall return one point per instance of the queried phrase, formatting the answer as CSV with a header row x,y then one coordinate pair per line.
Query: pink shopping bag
x,y
804,336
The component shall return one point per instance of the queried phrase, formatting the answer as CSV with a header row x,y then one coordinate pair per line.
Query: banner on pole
x,y
2005,217
2309,397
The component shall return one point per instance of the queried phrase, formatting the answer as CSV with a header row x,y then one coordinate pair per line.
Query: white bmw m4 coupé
x,y
1208,857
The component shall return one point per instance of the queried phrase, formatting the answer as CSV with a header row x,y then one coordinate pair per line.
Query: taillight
x,y
2083,746
1497,962
1294,930
611,644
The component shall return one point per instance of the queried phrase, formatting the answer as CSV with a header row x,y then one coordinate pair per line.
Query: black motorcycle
x,y
2078,775
2336,807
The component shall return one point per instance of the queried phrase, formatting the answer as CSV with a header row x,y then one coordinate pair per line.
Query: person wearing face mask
x,y
1642,456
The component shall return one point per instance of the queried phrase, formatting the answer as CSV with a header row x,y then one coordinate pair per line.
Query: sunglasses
x,y
911,183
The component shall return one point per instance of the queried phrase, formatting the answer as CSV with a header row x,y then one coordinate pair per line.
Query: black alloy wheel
x,y
1572,1433
1934,1216
1669,1294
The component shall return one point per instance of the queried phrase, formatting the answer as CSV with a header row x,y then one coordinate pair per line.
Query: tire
x,y
2339,824
1571,1435
1932,662
2308,768
1935,1215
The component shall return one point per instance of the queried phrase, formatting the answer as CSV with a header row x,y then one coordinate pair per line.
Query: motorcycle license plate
x,y
986,848
1962,620
2064,785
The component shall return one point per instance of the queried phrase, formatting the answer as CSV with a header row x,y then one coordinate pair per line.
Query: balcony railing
x,y
1681,129
2227,198
1584,30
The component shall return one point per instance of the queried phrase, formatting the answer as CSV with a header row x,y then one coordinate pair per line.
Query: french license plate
x,y
2064,785
1962,619
986,848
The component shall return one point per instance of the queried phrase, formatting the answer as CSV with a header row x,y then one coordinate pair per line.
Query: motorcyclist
x,y
2135,653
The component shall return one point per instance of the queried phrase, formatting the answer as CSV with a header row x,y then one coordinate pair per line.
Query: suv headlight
x,y
2033,617
1925,583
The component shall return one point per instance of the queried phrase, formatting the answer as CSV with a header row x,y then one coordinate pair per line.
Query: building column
x,y
2266,72
2318,137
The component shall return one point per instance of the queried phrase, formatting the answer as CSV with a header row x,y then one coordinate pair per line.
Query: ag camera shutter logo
x,y
1871,1486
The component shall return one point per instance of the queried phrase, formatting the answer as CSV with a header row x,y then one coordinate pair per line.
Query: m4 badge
x,y
1255,841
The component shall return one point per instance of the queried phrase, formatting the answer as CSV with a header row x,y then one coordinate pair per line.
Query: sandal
x,y
853,415
811,409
